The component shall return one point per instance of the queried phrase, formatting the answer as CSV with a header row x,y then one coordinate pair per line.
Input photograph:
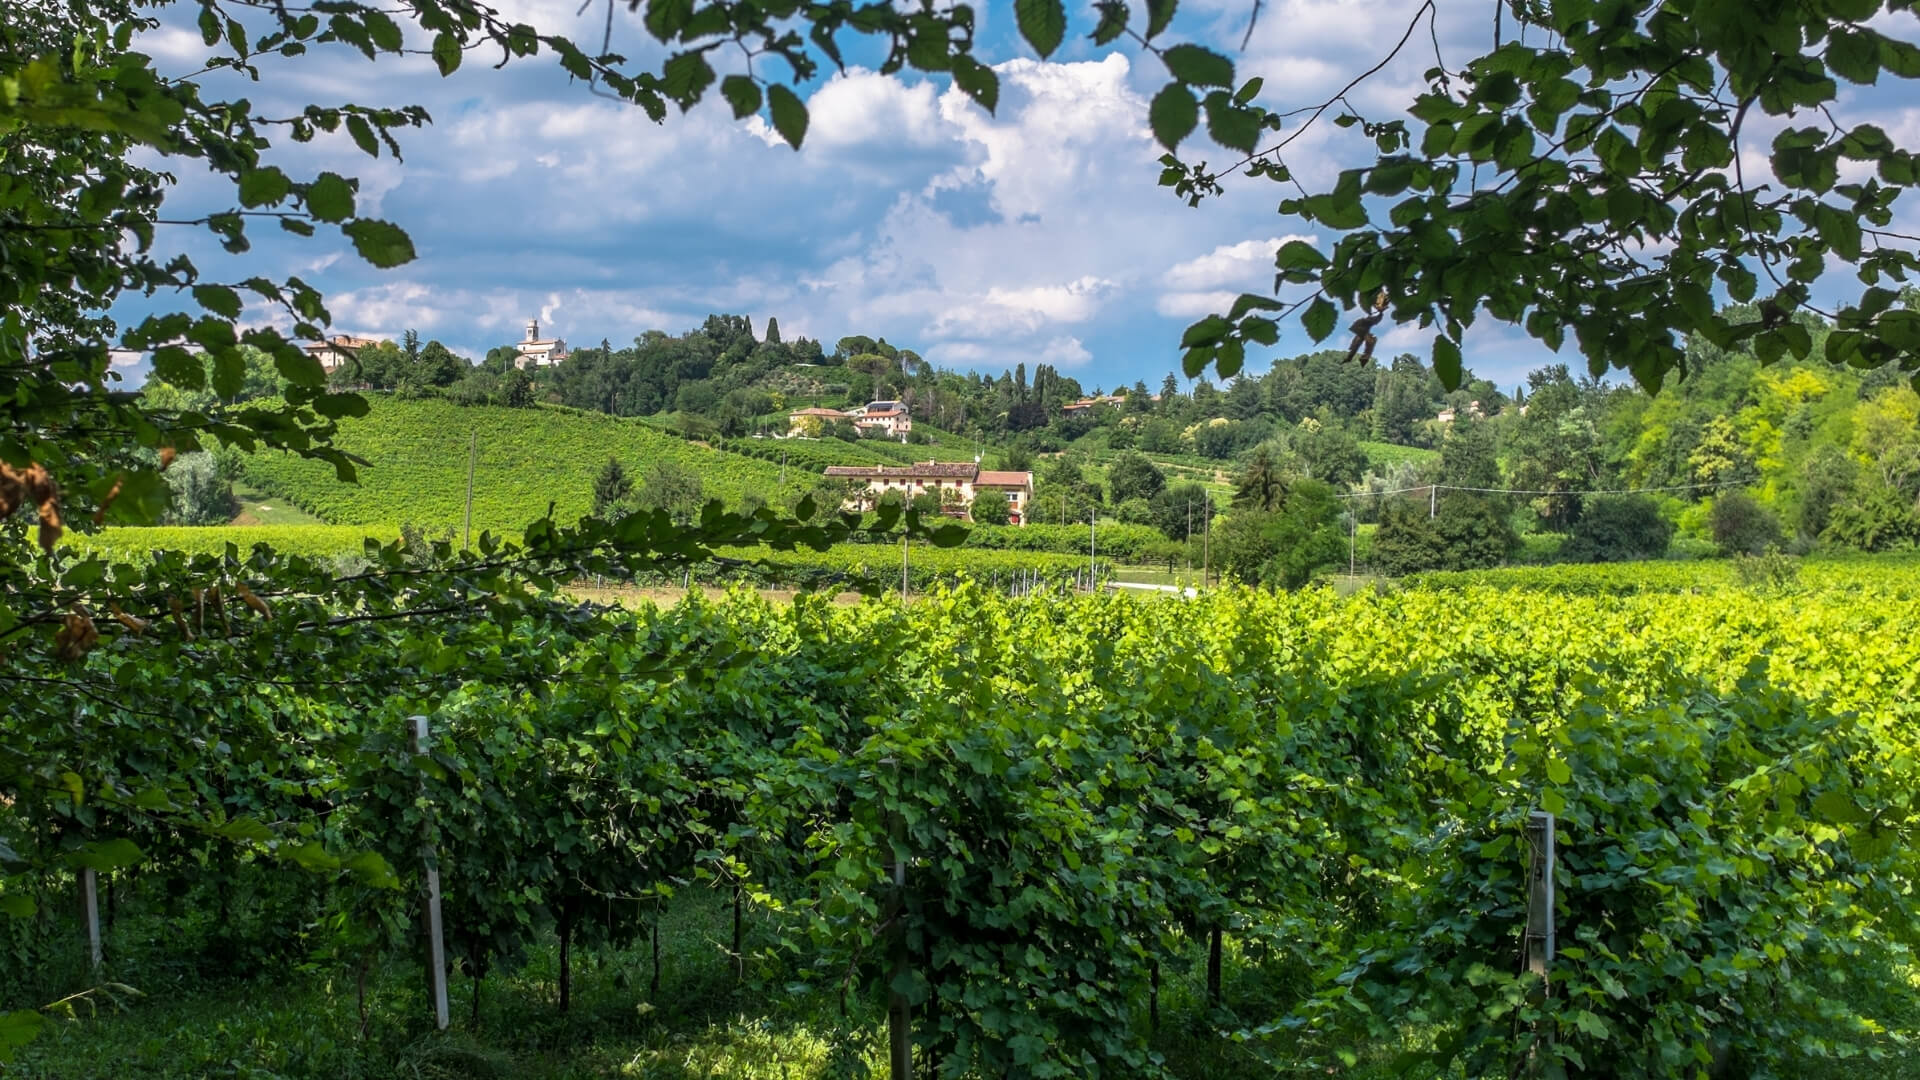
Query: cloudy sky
x,y
1037,234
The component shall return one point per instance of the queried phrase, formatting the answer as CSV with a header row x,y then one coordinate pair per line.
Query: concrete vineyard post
x,y
90,912
1540,864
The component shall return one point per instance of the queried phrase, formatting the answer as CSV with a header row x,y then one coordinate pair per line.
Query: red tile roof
x,y
993,478
931,470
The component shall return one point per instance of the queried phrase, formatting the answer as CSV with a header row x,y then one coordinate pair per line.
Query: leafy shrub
x,y
1741,526
1774,570
1618,528
991,508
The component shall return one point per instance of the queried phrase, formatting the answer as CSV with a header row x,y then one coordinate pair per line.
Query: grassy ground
x,y
259,508
701,1022
195,1020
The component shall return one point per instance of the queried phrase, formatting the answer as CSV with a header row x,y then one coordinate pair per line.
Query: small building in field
x,y
955,483
536,351
338,351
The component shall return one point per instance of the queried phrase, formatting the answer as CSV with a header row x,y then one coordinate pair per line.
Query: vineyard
x,y
528,459
1003,558
1244,835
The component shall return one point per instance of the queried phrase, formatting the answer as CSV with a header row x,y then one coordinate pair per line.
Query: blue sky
x,y
1034,235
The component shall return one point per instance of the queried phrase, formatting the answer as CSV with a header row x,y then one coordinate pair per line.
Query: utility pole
x,y
783,470
1353,537
1206,544
1433,500
1090,555
904,540
473,455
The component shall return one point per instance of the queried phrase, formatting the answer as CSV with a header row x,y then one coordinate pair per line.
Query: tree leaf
x,y
330,197
218,299
1299,255
1207,331
362,133
742,93
264,186
1113,21
1173,114
1320,318
789,114
1198,66
686,76
105,855
1446,361
1042,22
381,243
1159,14
977,81
17,1029
446,52
1236,127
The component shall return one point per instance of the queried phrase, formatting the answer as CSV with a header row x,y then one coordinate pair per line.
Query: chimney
x,y
533,329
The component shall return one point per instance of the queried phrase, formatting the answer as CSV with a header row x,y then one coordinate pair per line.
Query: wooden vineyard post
x,y
90,912
436,942
1213,967
739,957
899,1018
1153,995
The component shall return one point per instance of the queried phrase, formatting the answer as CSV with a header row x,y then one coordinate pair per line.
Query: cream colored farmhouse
x,y
890,418
338,351
957,484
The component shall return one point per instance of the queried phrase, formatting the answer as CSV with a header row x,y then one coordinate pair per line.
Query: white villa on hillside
x,y
963,478
538,352
888,416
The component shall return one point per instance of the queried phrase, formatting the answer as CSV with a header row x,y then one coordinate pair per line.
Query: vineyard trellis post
x,y
1540,928
90,911
1540,898
417,732
899,1016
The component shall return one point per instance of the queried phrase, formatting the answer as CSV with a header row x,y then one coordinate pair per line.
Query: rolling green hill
x,y
417,471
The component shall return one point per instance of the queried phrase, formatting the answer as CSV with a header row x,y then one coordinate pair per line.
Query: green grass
x,y
192,1020
259,508
528,458
131,543
1383,454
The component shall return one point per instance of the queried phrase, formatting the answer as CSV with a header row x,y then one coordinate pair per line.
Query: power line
x,y
1539,491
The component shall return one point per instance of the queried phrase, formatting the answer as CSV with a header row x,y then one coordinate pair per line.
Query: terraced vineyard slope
x,y
417,466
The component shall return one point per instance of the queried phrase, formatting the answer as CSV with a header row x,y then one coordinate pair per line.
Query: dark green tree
x,y
1262,483
1131,476
1618,528
610,488
1180,510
